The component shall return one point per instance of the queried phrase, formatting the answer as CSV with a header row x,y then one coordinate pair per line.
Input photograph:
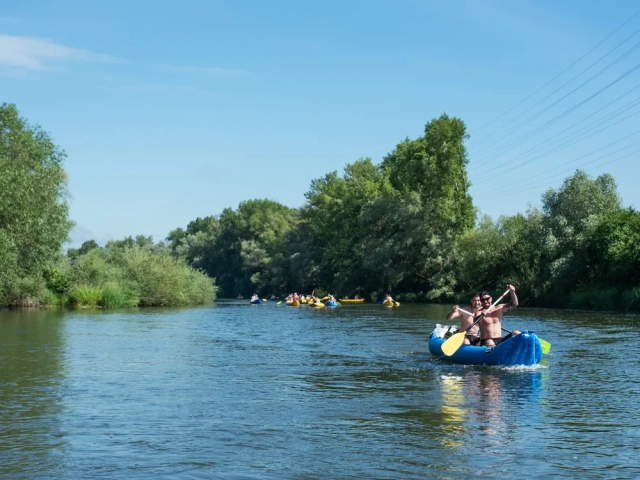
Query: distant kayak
x,y
331,304
295,303
523,349
351,300
257,301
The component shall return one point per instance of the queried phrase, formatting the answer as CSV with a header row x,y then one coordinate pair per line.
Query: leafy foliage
x,y
33,209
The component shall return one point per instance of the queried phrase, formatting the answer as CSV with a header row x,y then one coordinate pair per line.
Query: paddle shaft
x,y
477,320
454,342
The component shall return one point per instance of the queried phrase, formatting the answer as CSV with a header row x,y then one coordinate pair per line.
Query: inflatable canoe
x,y
257,301
295,303
388,303
523,349
351,300
331,304
317,305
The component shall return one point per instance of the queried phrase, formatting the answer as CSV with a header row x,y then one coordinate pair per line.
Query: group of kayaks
x,y
328,303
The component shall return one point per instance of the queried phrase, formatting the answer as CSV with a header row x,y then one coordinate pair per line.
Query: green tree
x,y
237,248
332,216
34,219
434,166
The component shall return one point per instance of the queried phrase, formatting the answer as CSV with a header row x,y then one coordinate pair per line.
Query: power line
x,y
533,117
561,73
564,172
528,179
580,121
573,141
565,113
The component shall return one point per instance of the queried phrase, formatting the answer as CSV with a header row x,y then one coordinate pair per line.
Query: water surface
x,y
237,391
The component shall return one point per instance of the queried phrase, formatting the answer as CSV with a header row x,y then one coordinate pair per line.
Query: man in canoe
x,y
466,320
491,324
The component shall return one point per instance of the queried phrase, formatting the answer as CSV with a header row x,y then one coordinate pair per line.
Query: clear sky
x,y
173,110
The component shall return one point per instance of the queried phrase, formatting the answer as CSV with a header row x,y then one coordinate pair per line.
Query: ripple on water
x,y
240,391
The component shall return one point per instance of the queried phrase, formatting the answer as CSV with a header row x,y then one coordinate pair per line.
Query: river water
x,y
239,391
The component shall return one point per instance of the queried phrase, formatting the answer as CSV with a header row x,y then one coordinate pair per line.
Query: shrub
x,y
630,299
92,268
53,299
84,296
114,296
25,291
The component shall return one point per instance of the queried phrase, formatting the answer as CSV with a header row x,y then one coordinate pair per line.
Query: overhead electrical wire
x,y
528,179
532,187
561,73
527,136
582,120
569,143
566,112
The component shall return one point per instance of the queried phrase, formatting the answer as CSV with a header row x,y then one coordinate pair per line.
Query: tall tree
x,y
434,166
34,219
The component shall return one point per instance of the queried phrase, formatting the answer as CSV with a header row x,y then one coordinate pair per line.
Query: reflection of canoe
x,y
257,301
388,303
523,349
295,303
331,304
317,305
351,300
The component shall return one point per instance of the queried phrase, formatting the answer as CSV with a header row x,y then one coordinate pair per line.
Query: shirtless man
x,y
491,324
472,337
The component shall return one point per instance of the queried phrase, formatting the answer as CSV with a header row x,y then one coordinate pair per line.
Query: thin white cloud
x,y
31,53
201,70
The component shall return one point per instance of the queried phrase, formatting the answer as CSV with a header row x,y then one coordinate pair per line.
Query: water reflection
x,y
453,411
486,406
30,376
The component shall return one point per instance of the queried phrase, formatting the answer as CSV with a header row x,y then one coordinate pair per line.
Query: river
x,y
239,391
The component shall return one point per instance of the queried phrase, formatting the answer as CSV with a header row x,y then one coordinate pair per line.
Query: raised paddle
x,y
454,342
546,346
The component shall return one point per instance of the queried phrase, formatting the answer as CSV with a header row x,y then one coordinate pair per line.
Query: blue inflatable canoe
x,y
330,304
523,349
257,301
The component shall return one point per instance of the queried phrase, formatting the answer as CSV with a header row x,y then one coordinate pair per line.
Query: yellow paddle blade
x,y
397,304
279,302
453,343
324,299
546,346
264,299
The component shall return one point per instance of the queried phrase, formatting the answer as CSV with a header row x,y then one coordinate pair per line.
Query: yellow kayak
x,y
351,300
317,305
295,303
388,303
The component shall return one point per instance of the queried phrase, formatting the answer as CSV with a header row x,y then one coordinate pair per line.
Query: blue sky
x,y
173,110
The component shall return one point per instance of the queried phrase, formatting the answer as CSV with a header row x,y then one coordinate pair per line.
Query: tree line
x,y
408,226
405,226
